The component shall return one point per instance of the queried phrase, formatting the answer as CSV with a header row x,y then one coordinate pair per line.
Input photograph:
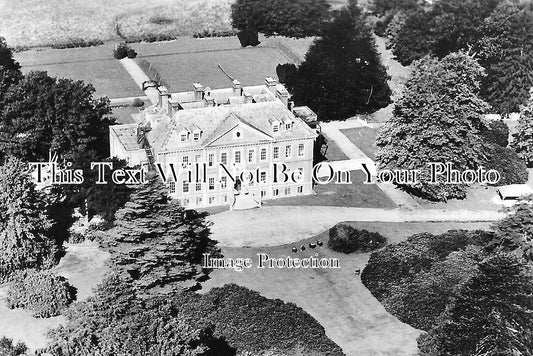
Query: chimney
x,y
209,100
271,84
172,107
283,95
248,98
198,90
163,97
237,87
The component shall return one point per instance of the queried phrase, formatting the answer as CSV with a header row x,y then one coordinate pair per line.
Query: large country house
x,y
251,129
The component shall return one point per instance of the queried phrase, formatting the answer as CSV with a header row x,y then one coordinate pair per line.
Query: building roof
x,y
218,120
127,136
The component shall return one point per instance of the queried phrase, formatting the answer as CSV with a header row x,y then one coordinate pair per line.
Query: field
x,y
352,317
37,23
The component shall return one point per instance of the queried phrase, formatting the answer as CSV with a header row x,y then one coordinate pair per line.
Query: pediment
x,y
236,131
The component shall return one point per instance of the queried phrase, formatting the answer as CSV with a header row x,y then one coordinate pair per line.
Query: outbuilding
x,y
514,191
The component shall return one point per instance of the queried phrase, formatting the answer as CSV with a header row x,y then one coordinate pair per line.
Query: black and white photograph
x,y
266,178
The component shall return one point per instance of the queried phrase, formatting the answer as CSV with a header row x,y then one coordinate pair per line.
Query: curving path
x,y
277,225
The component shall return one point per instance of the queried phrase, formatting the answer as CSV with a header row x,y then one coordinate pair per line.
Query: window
x,y
223,182
211,200
197,158
300,189
225,198
275,128
198,186
224,158
185,202
287,191
172,187
263,154
300,176
263,177
288,126
263,193
276,153
237,157
183,137
210,159
301,150
275,192
185,187
211,183
288,151
198,201
251,155
185,160
196,136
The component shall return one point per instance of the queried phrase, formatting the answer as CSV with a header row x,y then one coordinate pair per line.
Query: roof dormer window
x,y
196,136
183,137
275,128
288,126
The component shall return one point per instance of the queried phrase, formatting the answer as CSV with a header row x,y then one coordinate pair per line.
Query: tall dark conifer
x,y
342,74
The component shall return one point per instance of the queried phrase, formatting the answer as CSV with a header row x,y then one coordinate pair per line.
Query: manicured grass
x,y
94,65
356,194
249,65
364,138
334,153
352,317
477,198
31,23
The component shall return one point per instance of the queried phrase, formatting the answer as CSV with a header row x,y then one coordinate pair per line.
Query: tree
x,y
158,242
490,315
388,9
42,113
414,39
9,69
342,74
497,132
523,138
437,119
24,239
511,167
447,26
515,231
8,348
506,52
118,321
296,18
258,325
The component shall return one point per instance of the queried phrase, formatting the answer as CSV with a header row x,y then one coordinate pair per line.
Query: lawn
x,y
180,64
357,195
352,317
36,23
477,198
364,138
94,65
334,153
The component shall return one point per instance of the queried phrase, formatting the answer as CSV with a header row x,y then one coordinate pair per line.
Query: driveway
x,y
277,225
